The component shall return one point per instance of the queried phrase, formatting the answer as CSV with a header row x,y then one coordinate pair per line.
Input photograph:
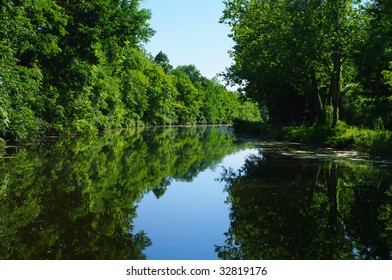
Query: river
x,y
191,193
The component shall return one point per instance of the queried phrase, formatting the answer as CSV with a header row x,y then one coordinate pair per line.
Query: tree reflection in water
x,y
287,206
76,198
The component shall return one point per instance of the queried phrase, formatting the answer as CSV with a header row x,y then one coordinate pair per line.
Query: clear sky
x,y
189,32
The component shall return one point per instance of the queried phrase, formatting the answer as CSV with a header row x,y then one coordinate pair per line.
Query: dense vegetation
x,y
315,62
77,66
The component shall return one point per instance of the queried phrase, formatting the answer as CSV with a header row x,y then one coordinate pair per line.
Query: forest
x,y
78,66
317,63
323,59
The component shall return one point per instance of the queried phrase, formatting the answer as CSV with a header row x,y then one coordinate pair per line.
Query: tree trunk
x,y
335,88
337,9
318,103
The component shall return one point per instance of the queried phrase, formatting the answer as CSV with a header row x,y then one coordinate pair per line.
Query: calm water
x,y
191,193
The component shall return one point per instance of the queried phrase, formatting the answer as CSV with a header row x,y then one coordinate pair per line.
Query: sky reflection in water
x,y
191,217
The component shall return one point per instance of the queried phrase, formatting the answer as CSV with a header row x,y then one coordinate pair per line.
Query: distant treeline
x,y
78,66
315,61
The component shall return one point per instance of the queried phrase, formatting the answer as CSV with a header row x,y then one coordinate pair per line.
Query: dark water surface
x,y
191,193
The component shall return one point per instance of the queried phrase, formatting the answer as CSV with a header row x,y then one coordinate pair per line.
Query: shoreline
x,y
343,137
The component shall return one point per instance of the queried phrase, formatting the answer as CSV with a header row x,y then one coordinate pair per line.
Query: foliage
x,y
79,67
163,60
2,145
313,61
376,142
388,81
373,59
306,42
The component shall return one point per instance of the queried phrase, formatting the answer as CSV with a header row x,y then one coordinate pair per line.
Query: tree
x,y
161,94
85,74
29,32
190,98
344,26
163,60
289,54
70,66
367,94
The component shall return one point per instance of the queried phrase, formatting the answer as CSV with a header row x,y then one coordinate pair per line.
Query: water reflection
x,y
290,204
191,217
76,199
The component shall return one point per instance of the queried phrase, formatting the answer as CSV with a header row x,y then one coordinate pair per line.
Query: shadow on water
x,y
76,198
289,202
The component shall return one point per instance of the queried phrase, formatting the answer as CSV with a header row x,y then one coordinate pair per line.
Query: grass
x,y
376,142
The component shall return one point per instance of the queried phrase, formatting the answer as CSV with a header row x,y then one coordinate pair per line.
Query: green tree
x,y
162,94
97,34
189,99
29,32
163,60
131,69
70,66
214,102
367,95
386,22
289,54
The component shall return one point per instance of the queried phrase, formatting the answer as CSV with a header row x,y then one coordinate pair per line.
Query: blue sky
x,y
189,32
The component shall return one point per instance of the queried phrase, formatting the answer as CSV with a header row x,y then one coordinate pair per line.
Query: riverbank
x,y
377,142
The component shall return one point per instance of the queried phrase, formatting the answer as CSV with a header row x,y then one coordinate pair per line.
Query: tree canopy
x,y
70,66
314,60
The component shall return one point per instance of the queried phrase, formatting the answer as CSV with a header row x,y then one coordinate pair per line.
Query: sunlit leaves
x,y
79,67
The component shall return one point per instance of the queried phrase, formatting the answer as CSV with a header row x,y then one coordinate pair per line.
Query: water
x,y
191,217
192,193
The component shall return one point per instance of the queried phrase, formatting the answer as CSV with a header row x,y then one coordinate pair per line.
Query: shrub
x,y
83,127
375,142
344,136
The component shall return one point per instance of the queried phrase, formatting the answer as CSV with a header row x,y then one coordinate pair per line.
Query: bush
x,y
343,137
375,142
308,135
83,127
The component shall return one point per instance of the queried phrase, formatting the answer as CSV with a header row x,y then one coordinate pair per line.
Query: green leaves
x,y
292,56
388,76
163,60
79,67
